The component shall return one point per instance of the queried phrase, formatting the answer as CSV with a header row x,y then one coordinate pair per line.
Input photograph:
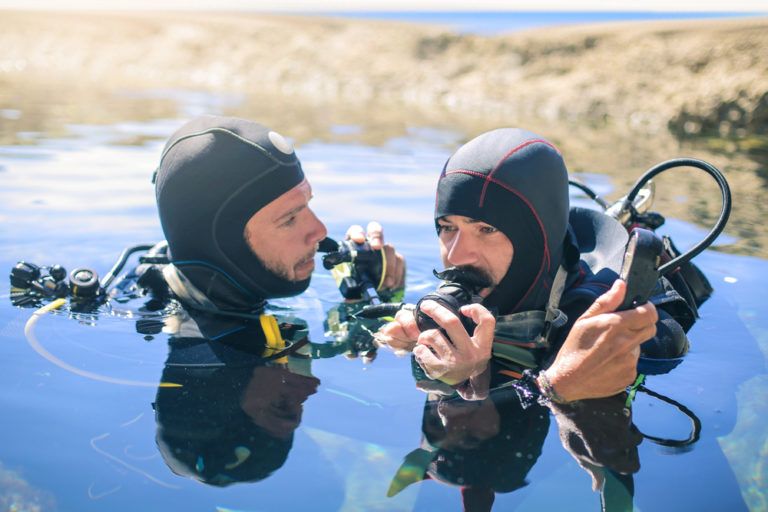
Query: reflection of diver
x,y
482,446
600,435
489,446
229,403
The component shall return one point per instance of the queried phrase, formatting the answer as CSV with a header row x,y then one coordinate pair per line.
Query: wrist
x,y
547,389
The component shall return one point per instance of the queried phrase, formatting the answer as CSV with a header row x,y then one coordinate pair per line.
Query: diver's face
x,y
284,234
274,398
470,243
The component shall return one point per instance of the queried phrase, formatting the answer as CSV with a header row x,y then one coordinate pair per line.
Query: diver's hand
x,y
599,356
401,334
458,357
394,273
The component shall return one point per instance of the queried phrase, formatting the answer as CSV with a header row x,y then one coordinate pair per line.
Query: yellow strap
x,y
275,341
383,269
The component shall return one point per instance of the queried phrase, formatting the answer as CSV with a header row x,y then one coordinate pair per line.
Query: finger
x,y
452,325
379,340
407,321
485,324
393,335
375,235
400,271
395,270
642,316
356,233
427,361
607,302
436,343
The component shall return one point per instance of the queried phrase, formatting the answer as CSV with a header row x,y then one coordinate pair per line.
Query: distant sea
x,y
500,22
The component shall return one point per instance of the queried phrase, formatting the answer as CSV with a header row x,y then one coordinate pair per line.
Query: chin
x,y
303,273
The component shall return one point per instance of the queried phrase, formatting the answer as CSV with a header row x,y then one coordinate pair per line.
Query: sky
x,y
730,6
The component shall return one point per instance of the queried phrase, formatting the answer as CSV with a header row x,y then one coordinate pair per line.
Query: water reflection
x,y
488,447
232,417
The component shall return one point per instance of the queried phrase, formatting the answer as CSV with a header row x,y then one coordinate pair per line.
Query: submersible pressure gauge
x,y
83,283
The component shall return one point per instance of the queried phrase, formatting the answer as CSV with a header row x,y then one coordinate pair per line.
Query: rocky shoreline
x,y
635,92
694,77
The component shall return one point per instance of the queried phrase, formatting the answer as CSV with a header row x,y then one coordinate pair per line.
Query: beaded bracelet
x,y
547,391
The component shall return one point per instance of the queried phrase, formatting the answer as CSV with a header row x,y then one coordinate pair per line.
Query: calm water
x,y
503,22
79,429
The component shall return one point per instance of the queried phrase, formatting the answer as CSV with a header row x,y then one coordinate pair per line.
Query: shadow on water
x,y
76,168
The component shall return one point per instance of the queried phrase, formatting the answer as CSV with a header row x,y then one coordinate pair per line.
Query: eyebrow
x,y
469,220
293,211
289,213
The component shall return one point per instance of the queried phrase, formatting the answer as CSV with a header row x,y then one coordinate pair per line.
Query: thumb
x,y
375,235
356,233
609,301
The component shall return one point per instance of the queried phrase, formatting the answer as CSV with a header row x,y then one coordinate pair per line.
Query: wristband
x,y
547,390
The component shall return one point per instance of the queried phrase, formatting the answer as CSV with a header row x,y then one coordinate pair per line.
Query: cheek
x,y
444,249
500,258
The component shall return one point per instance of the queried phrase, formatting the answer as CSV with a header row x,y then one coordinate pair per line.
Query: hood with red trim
x,y
517,182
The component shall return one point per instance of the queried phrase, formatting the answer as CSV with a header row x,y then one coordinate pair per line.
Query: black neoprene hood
x,y
214,175
517,182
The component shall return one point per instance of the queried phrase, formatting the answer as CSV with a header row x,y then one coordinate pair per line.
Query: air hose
x,y
118,266
627,204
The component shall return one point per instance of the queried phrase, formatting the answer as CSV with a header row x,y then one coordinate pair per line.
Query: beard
x,y
289,272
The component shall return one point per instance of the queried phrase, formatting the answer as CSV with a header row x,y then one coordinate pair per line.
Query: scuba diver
x,y
232,200
541,297
233,204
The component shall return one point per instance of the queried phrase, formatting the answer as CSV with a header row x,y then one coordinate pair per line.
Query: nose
x,y
462,250
317,230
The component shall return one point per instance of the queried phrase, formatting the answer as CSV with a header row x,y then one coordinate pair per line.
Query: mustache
x,y
466,275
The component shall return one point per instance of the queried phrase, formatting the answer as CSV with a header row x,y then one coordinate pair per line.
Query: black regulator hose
x,y
628,201
725,211
118,266
590,193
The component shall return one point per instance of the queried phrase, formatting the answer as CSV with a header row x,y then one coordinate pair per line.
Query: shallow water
x,y
80,430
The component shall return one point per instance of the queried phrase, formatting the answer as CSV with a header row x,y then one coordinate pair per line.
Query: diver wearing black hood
x,y
502,213
517,182
214,175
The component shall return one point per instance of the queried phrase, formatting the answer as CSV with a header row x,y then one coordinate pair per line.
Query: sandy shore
x,y
634,93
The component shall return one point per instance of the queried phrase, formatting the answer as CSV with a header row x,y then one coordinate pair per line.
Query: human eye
x,y
488,229
287,223
445,228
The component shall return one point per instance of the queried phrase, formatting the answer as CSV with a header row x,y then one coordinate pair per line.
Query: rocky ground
x,y
617,98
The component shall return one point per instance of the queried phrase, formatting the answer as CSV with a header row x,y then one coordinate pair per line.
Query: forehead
x,y
460,219
287,203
